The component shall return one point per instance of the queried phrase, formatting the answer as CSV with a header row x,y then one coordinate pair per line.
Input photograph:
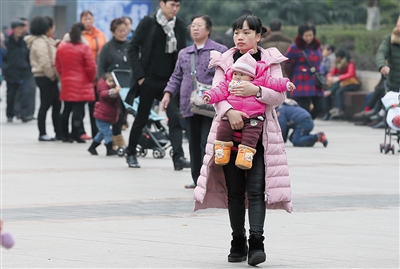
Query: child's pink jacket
x,y
248,104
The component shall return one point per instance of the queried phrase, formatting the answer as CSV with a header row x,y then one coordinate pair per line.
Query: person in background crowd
x,y
32,84
291,116
388,63
77,69
42,55
233,188
114,55
180,82
275,37
2,52
128,23
342,78
17,72
388,58
328,59
153,52
106,112
298,70
96,39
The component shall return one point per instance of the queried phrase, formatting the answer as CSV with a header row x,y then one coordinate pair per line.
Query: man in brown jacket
x,y
275,38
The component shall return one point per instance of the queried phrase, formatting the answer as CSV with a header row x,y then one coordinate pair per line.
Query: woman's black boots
x,y
238,249
256,250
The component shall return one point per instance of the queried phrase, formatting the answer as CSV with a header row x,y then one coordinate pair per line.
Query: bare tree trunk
x,y
373,15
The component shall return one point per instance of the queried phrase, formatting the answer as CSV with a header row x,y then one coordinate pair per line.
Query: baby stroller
x,y
391,103
154,135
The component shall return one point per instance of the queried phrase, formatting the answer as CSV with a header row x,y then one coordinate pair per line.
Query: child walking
x,y
246,68
106,113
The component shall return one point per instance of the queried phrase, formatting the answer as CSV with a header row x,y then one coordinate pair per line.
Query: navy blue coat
x,y
16,66
289,116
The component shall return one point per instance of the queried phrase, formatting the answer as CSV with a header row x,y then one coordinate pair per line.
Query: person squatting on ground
x,y
292,116
244,69
153,52
77,69
17,72
266,184
181,83
42,48
106,113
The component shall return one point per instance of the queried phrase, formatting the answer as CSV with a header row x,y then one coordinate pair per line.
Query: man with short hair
x,y
153,52
17,72
276,38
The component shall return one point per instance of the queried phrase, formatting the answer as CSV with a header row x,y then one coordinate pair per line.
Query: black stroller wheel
x,y
158,153
121,151
171,153
381,147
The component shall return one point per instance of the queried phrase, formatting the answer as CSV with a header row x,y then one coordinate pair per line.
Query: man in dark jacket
x,y
276,38
17,72
153,52
388,58
292,116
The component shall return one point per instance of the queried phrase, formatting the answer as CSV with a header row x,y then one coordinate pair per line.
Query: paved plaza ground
x,y
68,209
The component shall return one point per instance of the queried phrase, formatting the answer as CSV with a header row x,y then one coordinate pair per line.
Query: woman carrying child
x,y
106,113
266,184
245,68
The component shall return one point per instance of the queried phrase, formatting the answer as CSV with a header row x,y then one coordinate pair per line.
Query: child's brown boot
x,y
222,152
119,141
244,159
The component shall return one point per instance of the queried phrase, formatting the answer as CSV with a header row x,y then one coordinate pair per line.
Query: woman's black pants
x,y
239,182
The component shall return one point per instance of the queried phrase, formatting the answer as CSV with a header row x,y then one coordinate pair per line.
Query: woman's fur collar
x,y
395,37
342,64
303,45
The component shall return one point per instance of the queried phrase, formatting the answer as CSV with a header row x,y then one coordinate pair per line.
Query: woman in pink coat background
x,y
266,184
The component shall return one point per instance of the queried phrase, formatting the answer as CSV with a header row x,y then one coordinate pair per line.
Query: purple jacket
x,y
181,79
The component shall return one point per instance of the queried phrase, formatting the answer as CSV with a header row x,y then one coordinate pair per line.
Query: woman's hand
x,y
245,88
140,81
235,118
165,101
333,79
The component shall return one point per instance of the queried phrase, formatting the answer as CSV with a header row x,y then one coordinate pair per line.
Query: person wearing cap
x,y
17,72
246,68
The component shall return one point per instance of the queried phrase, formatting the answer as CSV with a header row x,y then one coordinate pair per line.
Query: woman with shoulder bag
x,y
180,82
299,71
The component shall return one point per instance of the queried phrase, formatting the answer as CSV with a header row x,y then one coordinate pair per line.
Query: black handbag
x,y
320,80
197,105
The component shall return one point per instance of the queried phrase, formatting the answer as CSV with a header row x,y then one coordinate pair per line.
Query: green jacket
x,y
389,51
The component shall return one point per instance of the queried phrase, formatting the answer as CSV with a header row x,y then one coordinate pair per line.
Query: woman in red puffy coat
x,y
77,69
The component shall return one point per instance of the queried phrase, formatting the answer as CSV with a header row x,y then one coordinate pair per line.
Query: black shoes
x,y
132,161
238,251
256,250
181,163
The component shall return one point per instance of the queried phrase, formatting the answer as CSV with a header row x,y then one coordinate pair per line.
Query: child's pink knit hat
x,y
246,64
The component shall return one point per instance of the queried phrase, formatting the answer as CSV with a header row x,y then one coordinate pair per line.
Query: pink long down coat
x,y
211,191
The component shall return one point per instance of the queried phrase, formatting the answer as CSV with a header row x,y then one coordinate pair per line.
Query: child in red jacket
x,y
106,113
